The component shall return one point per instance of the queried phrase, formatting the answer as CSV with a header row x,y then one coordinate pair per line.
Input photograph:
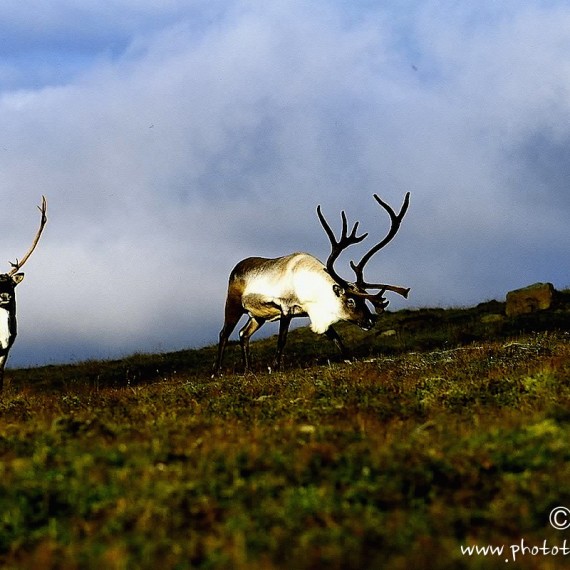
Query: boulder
x,y
529,299
390,332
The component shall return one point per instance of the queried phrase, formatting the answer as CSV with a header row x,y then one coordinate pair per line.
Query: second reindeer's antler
x,y
19,263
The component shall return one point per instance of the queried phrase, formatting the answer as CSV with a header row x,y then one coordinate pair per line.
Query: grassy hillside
x,y
449,432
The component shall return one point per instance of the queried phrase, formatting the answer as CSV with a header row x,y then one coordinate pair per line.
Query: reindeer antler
x,y
338,246
359,288
18,264
358,268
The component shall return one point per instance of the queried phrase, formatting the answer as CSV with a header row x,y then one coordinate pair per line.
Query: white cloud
x,y
213,129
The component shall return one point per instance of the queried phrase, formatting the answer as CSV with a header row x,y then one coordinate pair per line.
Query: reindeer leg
x,y
284,323
250,327
2,364
334,336
224,335
233,314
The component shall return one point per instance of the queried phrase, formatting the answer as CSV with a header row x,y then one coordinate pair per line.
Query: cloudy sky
x,y
172,138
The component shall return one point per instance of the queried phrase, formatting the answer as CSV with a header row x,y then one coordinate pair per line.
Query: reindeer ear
x,y
338,290
17,278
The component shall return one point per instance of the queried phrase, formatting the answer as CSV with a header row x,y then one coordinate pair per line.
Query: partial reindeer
x,y
8,282
299,285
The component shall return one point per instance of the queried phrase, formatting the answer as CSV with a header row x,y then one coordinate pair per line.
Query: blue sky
x,y
174,138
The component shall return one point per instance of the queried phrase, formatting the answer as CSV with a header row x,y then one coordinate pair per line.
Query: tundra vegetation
x,y
450,428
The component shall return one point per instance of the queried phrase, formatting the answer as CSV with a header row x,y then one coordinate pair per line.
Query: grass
x,y
427,443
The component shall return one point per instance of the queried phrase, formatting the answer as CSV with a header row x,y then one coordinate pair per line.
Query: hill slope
x,y
396,333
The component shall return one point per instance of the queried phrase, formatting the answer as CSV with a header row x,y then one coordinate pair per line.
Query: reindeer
x,y
299,285
8,282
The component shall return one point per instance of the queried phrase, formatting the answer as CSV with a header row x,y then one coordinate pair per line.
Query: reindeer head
x,y
355,294
7,285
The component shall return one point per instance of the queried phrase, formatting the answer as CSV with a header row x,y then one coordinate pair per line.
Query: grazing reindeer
x,y
8,282
299,285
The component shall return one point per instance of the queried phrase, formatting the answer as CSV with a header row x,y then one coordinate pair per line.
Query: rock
x,y
533,298
390,332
